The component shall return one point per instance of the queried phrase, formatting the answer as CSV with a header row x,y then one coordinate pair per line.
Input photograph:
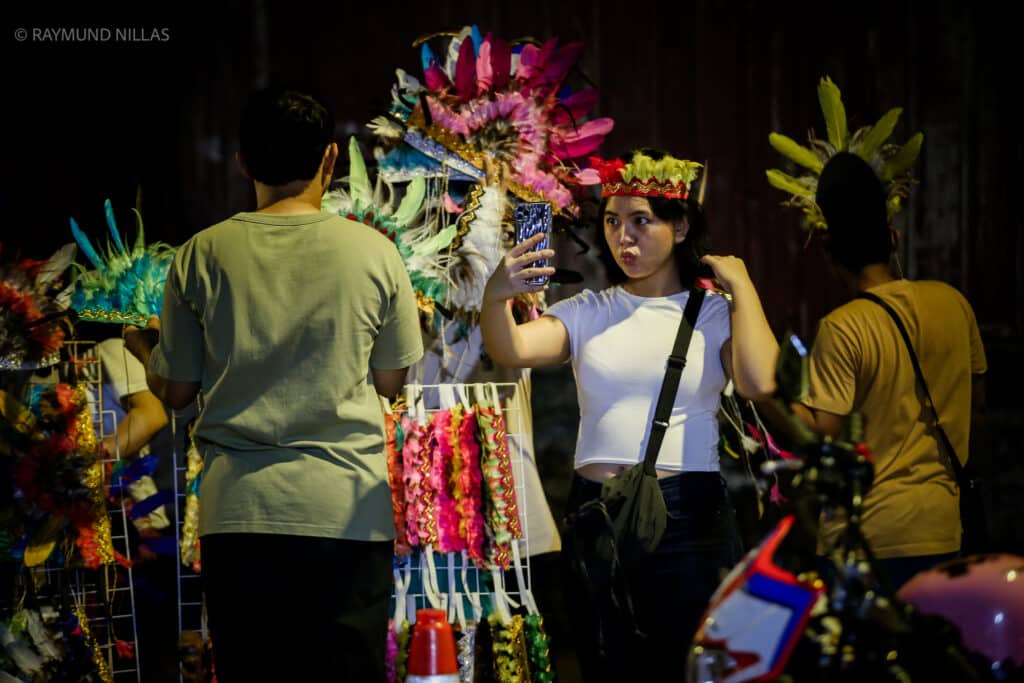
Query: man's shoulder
x,y
213,233
851,320
336,229
360,242
372,236
906,296
939,290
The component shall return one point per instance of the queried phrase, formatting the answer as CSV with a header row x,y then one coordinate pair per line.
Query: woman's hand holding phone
x,y
521,264
534,218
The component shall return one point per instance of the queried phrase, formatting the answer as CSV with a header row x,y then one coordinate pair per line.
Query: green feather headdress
x,y
449,251
891,162
407,225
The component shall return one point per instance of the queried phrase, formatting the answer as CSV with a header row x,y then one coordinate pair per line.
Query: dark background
x,y
86,121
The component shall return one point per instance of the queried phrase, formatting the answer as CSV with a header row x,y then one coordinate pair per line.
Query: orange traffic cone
x,y
432,650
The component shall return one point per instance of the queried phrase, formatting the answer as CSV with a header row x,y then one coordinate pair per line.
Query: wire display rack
x,y
191,612
451,581
463,587
103,595
108,593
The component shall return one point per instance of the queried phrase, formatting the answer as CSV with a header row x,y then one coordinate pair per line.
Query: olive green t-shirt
x,y
280,318
859,363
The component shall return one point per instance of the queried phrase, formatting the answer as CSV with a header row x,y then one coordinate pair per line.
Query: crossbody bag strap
x,y
673,371
958,469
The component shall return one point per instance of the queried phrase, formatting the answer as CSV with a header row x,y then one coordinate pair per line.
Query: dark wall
x,y
90,120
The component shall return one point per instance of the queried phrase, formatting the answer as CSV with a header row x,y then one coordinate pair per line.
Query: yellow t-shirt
x,y
859,363
280,318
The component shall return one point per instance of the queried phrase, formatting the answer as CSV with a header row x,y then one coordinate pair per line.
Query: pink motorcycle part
x,y
983,595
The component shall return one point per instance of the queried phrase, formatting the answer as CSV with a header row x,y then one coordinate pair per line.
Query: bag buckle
x,y
677,362
661,423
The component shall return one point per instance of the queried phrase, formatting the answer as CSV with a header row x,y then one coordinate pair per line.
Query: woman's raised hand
x,y
730,271
516,267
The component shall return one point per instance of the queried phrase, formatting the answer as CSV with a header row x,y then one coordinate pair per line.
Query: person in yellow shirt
x,y
860,364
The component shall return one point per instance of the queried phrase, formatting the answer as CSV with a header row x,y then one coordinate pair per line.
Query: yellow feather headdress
x,y
891,162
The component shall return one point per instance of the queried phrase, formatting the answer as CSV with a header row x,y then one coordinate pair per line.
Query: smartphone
x,y
530,219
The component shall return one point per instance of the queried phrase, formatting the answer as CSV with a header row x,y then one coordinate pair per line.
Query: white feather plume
x,y
479,253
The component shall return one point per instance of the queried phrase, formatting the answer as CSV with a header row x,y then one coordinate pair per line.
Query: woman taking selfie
x,y
619,340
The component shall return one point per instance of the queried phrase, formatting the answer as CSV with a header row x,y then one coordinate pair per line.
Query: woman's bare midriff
x,y
599,471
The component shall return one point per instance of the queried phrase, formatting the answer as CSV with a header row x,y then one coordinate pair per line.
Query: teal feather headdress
x,y
891,162
125,285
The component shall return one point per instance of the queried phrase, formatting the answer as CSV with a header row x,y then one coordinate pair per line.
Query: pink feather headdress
x,y
489,101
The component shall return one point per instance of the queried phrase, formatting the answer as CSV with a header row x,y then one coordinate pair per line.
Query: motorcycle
x,y
784,613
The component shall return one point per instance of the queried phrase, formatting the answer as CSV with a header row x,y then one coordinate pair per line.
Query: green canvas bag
x,y
628,519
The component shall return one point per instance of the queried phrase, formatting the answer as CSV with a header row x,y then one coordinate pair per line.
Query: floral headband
x,y
643,176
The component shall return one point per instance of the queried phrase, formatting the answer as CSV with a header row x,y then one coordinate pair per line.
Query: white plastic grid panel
x,y
455,574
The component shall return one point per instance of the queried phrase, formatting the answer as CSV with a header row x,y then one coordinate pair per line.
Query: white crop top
x,y
620,344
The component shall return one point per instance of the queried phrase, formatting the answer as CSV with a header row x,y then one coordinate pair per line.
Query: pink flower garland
x,y
442,455
457,484
469,490
413,460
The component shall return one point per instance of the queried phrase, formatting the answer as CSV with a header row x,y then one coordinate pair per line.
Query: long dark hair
x,y
687,253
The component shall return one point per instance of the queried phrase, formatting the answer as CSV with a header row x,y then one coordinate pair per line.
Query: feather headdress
x,y
31,305
126,285
891,162
643,176
448,250
487,102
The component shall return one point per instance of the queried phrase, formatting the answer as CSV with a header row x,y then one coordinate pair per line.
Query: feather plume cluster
x,y
891,162
643,176
125,285
31,308
449,250
489,121
487,102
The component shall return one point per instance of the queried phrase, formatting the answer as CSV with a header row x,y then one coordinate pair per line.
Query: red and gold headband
x,y
643,176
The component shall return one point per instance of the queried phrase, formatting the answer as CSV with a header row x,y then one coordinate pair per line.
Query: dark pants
x,y
669,591
292,608
155,583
